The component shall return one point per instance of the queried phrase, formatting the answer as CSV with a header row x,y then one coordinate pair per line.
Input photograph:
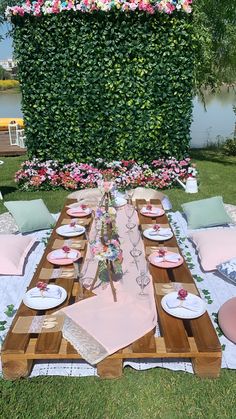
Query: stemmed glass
x,y
129,210
143,279
80,272
129,195
135,236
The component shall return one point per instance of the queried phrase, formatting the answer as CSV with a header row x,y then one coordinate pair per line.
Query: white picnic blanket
x,y
213,288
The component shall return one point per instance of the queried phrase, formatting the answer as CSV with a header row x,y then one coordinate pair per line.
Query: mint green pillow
x,y
206,213
30,215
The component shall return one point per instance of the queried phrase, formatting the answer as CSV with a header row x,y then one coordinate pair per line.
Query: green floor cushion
x,y
30,215
206,213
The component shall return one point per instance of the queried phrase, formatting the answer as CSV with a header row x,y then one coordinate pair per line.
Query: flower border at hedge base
x,y
51,175
46,7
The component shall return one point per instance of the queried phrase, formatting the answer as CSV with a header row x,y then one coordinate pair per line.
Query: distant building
x,y
8,65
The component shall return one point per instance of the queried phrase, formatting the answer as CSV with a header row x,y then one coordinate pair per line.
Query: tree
x,y
4,74
214,25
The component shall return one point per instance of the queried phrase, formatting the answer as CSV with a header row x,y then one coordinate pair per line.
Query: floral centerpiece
x,y
106,247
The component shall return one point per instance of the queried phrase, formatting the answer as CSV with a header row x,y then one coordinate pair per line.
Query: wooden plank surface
x,y
174,330
9,150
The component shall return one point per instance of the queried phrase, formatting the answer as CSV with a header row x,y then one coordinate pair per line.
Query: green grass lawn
x,y
151,394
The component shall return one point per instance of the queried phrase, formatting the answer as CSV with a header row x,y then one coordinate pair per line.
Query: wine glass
x,y
129,195
143,279
91,239
80,272
129,210
135,236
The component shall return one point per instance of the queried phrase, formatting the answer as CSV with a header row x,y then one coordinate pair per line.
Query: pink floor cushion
x,y
227,319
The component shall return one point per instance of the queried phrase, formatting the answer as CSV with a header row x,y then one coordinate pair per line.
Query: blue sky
x,y
5,44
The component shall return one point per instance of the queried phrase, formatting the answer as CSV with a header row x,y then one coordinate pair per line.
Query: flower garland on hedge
x,y
51,175
46,7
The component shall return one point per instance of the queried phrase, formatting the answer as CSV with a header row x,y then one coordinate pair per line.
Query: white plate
x,y
120,202
44,303
67,231
156,237
181,312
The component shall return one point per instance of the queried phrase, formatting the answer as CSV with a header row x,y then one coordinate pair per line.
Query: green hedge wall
x,y
108,85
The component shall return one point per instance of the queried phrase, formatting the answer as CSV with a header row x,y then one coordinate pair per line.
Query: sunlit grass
x,y
151,394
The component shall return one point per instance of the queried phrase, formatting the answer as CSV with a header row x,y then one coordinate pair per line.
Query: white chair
x,y
21,138
13,132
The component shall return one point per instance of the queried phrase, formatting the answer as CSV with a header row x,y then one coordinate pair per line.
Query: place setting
x,y
164,258
71,230
152,211
158,232
44,296
63,256
79,211
183,304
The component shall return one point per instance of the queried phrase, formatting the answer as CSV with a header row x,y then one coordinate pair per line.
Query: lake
x,y
218,120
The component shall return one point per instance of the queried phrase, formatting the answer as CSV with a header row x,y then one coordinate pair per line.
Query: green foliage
x,y
229,147
4,74
214,26
106,85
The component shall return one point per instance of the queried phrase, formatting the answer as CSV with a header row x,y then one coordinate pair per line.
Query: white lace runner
x,y
89,348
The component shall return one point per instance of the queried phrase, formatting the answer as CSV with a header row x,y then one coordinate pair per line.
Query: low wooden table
x,y
195,339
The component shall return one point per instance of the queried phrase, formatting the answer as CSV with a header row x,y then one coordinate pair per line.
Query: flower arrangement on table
x,y
106,246
51,175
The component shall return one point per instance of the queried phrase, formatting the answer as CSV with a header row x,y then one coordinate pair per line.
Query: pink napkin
x,y
98,327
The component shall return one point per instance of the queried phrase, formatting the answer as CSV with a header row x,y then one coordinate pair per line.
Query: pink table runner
x,y
98,326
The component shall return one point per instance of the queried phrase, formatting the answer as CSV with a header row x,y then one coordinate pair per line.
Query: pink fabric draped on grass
x,y
98,326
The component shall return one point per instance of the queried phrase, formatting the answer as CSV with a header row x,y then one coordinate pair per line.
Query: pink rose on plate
x,y
42,286
162,252
73,224
83,207
149,207
182,294
156,227
66,249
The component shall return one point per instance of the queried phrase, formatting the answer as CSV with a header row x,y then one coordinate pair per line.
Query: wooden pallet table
x,y
195,339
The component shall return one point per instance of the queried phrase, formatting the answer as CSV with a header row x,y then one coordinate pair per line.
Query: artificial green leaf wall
x,y
108,85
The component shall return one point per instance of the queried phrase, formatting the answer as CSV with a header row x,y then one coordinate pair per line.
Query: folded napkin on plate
x,y
60,254
161,232
79,210
151,211
48,293
75,229
172,257
190,302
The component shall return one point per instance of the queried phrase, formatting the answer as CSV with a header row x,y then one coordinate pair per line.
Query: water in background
x,y
217,120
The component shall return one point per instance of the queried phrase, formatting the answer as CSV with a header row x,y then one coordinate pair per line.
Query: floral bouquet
x,y
109,256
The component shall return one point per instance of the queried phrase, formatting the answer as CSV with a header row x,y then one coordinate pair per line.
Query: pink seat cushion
x,y
227,319
215,246
13,252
